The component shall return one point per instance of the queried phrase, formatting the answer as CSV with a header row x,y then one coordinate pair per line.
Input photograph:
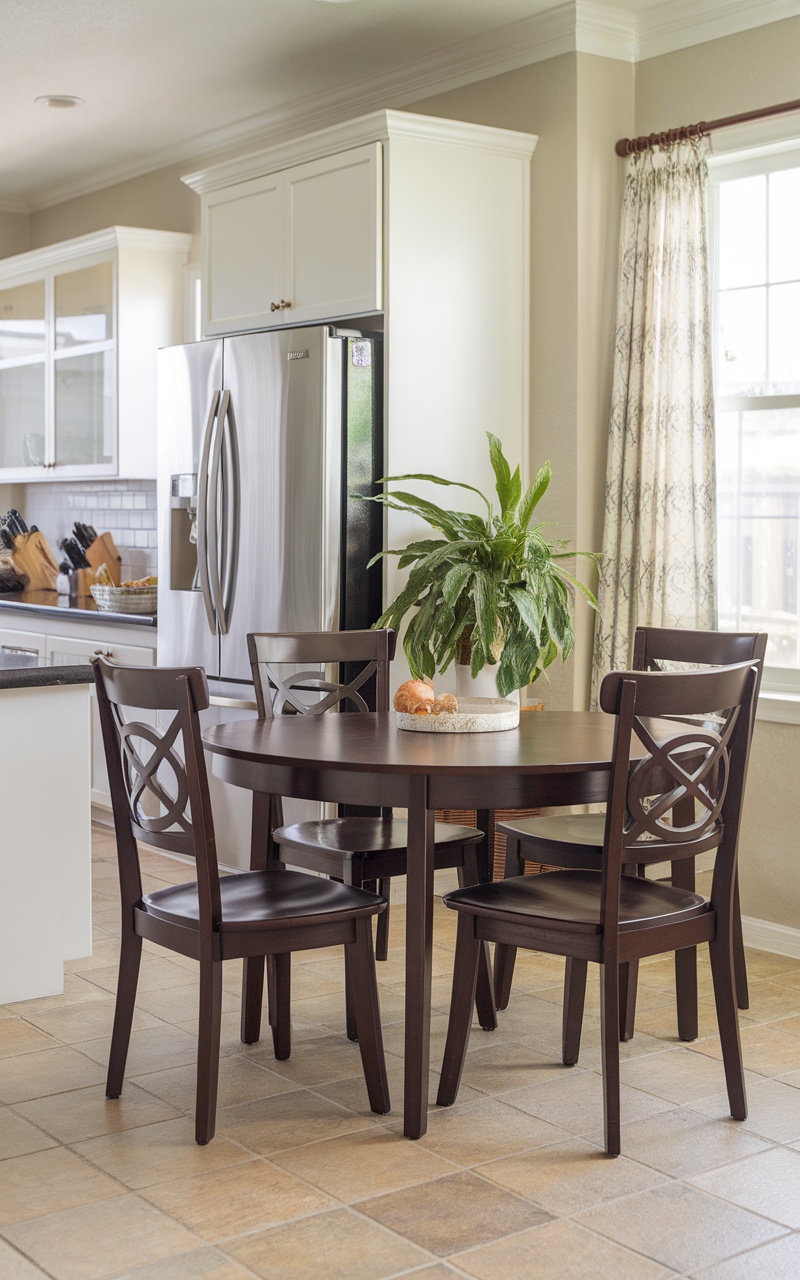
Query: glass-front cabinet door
x,y
58,373
23,376
84,359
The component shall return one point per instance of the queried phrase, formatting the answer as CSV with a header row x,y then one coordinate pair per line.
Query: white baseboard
x,y
764,935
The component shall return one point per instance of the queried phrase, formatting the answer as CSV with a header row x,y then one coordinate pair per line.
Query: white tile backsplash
x,y
125,509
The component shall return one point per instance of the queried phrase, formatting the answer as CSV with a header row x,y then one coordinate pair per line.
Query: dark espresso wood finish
x,y
159,791
553,758
612,918
561,842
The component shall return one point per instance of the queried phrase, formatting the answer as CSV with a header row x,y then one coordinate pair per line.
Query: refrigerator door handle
x,y
232,510
203,514
216,500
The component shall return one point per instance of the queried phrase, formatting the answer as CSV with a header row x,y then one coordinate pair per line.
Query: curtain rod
x,y
626,146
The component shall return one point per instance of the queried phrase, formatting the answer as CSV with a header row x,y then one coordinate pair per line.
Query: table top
x,y
550,741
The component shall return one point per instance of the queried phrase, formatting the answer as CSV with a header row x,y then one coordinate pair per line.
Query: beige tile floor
x,y
303,1181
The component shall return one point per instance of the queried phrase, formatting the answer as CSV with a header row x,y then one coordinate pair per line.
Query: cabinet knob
x,y
283,305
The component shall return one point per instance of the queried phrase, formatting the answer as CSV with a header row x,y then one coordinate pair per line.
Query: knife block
x,y
33,557
103,551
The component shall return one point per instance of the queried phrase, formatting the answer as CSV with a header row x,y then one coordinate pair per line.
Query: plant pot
x,y
483,688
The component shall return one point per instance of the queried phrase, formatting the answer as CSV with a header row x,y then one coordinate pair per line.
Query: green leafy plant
x,y
491,590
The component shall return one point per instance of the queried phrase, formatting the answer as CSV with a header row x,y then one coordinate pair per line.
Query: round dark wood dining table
x,y
553,758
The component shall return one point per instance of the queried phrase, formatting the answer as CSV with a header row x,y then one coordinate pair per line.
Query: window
x,y
756,272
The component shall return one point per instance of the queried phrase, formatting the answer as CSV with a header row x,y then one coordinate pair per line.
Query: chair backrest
x,y
157,776
289,670
696,762
655,645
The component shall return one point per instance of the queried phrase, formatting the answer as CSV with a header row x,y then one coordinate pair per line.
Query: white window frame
x,y
760,147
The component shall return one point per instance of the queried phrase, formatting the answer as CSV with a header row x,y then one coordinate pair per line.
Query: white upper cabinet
x,y
80,325
299,245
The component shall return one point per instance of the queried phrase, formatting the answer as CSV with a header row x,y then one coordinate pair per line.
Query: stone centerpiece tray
x,y
474,715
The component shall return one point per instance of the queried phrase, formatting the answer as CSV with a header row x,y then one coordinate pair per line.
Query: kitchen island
x,y
45,851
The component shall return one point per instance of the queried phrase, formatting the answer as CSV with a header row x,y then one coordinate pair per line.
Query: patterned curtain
x,y
658,543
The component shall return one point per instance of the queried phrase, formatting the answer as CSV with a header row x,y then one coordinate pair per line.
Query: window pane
x,y
728,426
784,339
758,555
22,320
743,232
84,409
784,225
83,301
742,342
22,416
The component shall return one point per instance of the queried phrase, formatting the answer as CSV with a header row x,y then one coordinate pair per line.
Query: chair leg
x,y
628,982
465,977
279,978
382,927
504,959
349,1001
485,1007
739,966
208,1049
685,960
252,997
609,1031
364,988
130,954
720,951
572,1017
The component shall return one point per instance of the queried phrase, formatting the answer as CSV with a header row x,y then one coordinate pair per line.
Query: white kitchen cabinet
x,y
80,325
66,651
294,246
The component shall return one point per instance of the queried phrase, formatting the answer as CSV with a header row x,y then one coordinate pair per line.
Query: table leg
x,y
419,955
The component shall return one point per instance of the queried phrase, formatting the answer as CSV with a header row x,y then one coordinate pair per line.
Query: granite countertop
x,y
49,604
39,677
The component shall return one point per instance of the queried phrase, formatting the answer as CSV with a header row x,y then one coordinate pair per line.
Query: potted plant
x,y
492,590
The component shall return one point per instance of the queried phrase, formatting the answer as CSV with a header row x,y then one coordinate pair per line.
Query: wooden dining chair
x,y
609,917
310,673
159,793
576,840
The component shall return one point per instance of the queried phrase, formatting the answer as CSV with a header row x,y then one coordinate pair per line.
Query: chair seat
x,y
584,829
366,835
572,899
257,900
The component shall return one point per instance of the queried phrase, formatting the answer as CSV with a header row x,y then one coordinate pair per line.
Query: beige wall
x,y
158,200
720,78
14,233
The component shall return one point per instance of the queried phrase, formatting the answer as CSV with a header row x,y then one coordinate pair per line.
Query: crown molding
x,y
679,24
52,255
605,31
375,127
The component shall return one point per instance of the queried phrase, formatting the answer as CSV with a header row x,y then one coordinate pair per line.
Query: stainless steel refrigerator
x,y
264,439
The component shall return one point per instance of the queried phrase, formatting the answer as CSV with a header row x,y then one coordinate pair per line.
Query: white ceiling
x,y
168,81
